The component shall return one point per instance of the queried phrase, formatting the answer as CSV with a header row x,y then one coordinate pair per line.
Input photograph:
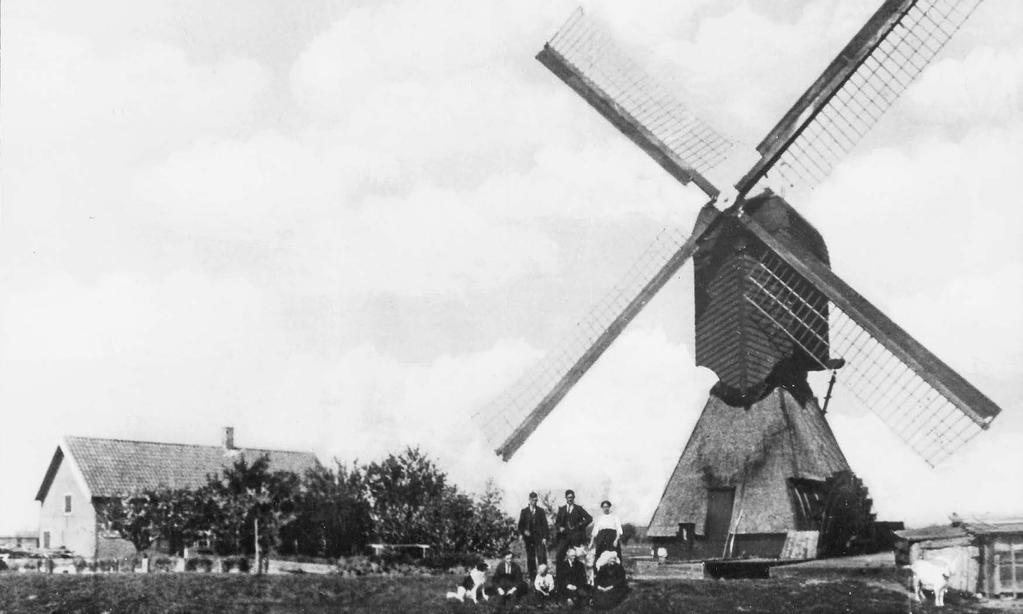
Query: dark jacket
x,y
535,523
573,573
572,526
503,578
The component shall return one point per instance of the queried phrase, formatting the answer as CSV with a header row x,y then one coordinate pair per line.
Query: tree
x,y
550,505
151,515
628,532
399,490
494,529
411,502
332,513
245,493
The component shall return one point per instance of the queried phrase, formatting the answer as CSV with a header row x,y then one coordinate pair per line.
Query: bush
x,y
3,566
163,563
80,564
199,564
390,558
305,558
239,562
444,561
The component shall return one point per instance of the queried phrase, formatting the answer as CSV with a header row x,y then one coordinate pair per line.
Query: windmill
x,y
762,460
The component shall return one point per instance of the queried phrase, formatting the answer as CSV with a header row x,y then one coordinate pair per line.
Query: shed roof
x,y
111,467
990,527
967,528
942,531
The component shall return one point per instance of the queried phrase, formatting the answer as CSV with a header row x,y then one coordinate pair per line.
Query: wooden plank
x,y
624,121
997,575
805,110
1012,567
922,361
800,545
513,442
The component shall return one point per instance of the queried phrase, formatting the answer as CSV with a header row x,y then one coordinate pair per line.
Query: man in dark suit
x,y
534,531
571,579
508,581
570,524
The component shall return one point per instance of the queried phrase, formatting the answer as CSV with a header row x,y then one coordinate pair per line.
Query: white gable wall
x,y
75,530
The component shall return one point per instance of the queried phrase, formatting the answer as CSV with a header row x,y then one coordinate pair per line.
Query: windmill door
x,y
719,516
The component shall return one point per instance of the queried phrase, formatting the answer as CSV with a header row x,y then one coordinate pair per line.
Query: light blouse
x,y
607,521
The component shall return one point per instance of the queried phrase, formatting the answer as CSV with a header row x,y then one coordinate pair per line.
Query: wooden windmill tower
x,y
762,459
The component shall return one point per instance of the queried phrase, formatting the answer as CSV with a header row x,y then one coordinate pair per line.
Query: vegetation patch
x,y
302,593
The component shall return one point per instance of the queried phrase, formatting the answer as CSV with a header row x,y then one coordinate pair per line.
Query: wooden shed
x,y
1001,553
984,556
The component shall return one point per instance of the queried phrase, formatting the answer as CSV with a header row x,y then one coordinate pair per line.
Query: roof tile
x,y
115,466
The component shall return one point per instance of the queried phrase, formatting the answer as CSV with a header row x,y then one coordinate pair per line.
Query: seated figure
x,y
571,581
609,586
508,582
543,584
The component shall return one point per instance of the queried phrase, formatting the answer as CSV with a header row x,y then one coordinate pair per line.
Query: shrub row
x,y
388,564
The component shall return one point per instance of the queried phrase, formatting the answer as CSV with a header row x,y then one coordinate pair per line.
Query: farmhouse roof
x,y
111,467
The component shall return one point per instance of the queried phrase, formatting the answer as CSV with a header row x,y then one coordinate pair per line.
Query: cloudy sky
x,y
343,226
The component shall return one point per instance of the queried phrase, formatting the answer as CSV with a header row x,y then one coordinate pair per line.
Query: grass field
x,y
200,593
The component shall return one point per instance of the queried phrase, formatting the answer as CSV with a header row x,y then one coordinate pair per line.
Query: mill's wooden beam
x,y
623,120
922,361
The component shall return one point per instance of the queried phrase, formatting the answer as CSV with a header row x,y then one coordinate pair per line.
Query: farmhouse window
x,y
46,539
67,504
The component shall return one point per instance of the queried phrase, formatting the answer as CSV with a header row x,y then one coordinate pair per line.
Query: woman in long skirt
x,y
607,532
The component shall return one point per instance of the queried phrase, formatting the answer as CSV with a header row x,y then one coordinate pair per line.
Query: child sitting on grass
x,y
544,583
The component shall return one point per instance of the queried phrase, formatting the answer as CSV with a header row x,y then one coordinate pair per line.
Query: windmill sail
x,y
583,56
511,418
923,400
856,89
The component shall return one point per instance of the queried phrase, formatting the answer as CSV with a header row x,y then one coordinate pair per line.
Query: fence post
x,y
259,566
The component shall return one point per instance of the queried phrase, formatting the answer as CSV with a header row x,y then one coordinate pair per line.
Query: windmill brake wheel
x,y
846,520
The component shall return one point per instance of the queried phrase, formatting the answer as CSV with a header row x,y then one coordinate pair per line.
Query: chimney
x,y
228,439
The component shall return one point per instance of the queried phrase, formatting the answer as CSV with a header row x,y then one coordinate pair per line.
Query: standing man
x,y
534,531
571,524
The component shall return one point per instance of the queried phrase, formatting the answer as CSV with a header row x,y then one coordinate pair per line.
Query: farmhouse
x,y
984,556
85,472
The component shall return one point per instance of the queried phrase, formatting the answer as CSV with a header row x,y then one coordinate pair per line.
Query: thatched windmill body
x,y
762,461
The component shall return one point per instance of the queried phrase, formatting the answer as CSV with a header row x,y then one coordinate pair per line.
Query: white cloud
x,y
396,80
986,85
183,317
431,241
65,92
258,188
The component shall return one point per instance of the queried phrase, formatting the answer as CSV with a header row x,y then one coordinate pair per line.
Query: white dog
x,y
472,585
932,575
